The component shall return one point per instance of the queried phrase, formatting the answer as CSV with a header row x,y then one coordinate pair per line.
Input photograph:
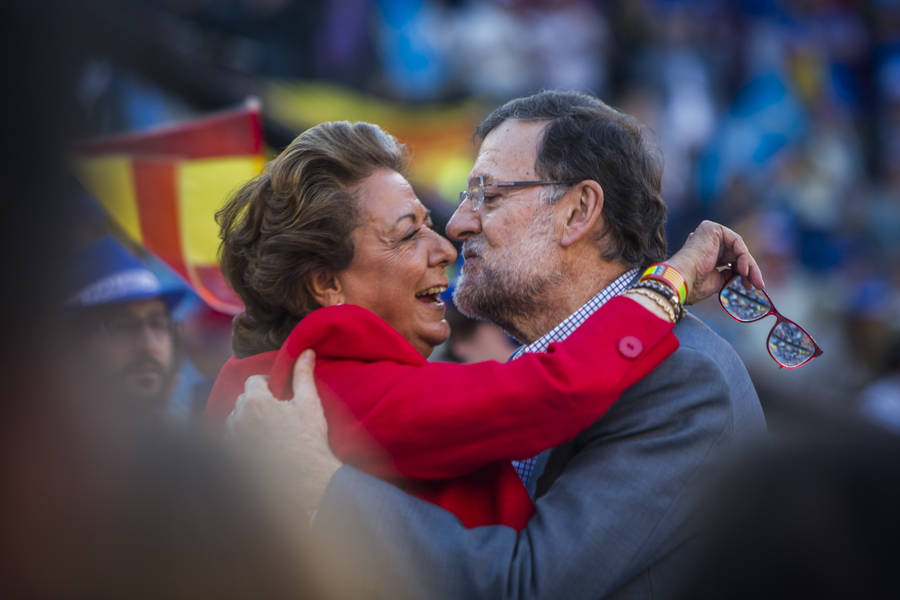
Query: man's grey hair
x,y
587,139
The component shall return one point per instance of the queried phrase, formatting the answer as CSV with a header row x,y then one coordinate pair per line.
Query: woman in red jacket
x,y
330,249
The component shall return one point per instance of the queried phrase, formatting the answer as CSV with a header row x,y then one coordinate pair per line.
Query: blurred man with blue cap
x,y
122,315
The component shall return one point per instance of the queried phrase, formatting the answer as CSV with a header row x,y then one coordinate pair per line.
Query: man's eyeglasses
x,y
477,187
789,345
125,326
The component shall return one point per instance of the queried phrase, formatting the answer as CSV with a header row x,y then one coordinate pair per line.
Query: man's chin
x,y
465,297
145,389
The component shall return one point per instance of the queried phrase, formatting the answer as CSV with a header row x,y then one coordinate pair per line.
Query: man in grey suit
x,y
612,504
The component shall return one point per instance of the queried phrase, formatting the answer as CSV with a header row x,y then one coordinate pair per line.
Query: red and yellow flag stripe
x,y
163,188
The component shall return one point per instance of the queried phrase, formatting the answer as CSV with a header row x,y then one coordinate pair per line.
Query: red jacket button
x,y
630,347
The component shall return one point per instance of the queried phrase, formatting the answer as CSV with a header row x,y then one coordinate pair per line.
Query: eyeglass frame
x,y
121,326
779,318
477,203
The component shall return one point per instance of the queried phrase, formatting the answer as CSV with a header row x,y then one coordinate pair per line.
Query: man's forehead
x,y
509,150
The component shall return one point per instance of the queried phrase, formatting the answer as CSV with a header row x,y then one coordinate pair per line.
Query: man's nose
x,y
464,223
152,337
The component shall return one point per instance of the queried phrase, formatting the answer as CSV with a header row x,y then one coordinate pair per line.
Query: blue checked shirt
x,y
525,468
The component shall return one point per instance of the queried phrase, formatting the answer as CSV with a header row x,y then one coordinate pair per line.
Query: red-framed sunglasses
x,y
789,345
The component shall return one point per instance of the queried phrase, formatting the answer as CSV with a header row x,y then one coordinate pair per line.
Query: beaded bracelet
x,y
670,276
666,292
657,299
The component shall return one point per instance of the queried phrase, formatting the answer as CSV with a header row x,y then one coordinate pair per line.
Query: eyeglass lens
x,y
474,193
788,344
744,303
129,326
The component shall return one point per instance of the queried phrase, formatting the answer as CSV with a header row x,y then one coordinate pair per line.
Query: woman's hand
x,y
710,256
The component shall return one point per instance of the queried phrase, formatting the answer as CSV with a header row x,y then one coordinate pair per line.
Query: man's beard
x,y
513,287
145,382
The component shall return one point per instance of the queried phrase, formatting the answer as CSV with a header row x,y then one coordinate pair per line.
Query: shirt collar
x,y
574,321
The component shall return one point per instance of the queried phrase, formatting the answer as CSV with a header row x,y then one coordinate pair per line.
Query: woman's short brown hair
x,y
294,220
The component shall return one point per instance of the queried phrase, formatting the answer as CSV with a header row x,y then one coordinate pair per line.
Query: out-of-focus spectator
x,y
133,509
120,333
812,514
413,42
508,48
205,337
472,340
880,400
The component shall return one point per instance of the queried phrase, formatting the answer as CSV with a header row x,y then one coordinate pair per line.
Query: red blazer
x,y
447,432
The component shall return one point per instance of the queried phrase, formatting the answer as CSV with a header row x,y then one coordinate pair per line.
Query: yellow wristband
x,y
668,275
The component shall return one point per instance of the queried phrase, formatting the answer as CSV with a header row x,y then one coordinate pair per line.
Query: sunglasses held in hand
x,y
789,345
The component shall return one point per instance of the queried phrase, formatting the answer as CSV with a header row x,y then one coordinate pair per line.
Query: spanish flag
x,y
163,187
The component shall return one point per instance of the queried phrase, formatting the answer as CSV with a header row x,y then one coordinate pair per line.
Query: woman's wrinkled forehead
x,y
386,199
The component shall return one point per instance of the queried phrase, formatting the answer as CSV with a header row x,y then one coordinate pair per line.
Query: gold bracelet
x,y
657,299
664,291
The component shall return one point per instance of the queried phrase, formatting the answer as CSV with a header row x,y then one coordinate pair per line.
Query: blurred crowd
x,y
778,118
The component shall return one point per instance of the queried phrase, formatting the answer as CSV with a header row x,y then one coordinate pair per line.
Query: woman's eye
x,y
415,232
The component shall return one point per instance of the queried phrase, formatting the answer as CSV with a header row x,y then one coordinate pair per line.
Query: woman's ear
x,y
325,288
584,210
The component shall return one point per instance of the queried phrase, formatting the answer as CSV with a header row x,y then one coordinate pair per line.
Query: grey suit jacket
x,y
612,508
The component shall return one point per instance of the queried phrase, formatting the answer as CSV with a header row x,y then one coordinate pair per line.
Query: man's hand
x,y
287,440
711,255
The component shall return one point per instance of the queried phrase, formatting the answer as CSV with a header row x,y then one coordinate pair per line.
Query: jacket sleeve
x,y
441,420
617,509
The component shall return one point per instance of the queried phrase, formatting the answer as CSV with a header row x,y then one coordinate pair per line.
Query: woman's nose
x,y
443,252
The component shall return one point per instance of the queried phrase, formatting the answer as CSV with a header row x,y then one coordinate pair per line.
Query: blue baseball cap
x,y
105,273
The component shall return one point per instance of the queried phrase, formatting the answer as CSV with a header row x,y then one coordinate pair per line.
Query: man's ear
x,y
325,287
583,211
